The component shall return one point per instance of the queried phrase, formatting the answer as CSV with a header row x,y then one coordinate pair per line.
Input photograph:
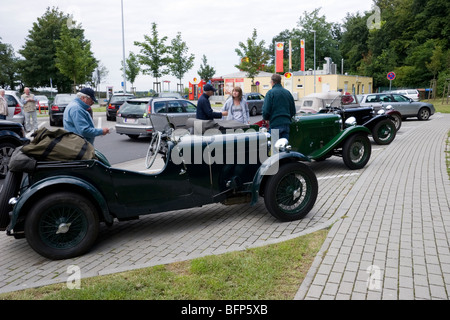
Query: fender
x,y
322,152
270,167
39,188
11,136
372,122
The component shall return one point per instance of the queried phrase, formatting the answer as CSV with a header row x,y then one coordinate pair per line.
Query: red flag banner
x,y
302,54
279,49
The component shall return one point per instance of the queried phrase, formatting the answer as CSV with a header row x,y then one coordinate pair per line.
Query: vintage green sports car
x,y
58,205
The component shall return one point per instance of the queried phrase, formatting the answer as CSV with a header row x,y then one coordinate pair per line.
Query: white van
x,y
410,93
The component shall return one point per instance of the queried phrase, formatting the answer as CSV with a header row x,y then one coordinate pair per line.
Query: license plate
x,y
130,120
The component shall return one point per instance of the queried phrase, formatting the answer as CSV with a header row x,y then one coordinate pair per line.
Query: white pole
x,y
123,46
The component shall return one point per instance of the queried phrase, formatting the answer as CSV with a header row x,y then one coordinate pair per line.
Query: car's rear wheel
x,y
253,112
424,114
356,151
153,149
62,225
10,188
292,192
6,151
384,132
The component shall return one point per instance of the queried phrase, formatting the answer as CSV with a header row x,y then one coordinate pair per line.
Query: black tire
x,y
11,187
52,123
292,192
253,111
6,151
384,132
62,225
424,114
397,121
356,151
133,136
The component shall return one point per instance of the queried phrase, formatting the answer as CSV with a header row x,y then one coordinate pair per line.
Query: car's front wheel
x,y
62,225
384,132
356,151
292,192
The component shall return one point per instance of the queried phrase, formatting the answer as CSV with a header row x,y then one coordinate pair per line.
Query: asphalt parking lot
x,y
350,201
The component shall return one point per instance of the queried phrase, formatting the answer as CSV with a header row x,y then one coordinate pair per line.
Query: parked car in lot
x,y
42,103
61,204
58,106
406,106
409,93
114,103
15,107
12,135
176,95
255,102
133,117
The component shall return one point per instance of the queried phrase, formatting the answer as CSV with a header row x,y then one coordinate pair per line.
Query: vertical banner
x,y
290,55
302,54
279,49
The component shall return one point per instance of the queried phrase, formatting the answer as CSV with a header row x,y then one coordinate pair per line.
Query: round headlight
x,y
350,122
381,111
282,145
389,107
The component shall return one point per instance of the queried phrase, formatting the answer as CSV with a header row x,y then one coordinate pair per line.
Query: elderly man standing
x,y
204,110
77,118
29,107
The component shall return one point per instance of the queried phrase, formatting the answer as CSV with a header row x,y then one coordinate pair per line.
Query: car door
x,y
403,105
176,114
259,101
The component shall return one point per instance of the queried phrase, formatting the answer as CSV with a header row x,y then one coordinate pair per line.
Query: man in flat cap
x,y
77,118
204,110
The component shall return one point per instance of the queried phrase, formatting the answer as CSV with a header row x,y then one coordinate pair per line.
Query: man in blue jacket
x,y
77,118
204,110
279,107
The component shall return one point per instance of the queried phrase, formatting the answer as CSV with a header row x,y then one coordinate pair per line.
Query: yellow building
x,y
299,83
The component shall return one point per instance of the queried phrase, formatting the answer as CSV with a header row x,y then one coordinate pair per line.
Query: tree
x,y
253,56
206,72
154,54
38,64
132,68
74,58
8,63
100,73
180,63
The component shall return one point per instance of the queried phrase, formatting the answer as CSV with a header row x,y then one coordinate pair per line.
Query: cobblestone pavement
x,y
407,239
394,240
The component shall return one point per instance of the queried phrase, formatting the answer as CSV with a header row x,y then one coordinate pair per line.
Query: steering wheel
x,y
153,149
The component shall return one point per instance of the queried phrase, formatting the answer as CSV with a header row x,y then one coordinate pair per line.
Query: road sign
x,y
391,76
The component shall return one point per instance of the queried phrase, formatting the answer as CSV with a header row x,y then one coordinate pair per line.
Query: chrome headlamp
x,y
350,122
282,145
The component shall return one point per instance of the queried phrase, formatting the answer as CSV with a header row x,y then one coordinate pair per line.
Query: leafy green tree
x,y
8,66
74,58
154,54
253,56
206,72
180,62
132,68
38,64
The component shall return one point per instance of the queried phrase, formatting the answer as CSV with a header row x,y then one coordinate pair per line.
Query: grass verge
x,y
272,272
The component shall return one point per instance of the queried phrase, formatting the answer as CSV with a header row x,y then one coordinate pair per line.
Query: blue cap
x,y
90,93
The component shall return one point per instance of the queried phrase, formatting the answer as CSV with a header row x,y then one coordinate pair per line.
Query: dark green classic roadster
x,y
58,205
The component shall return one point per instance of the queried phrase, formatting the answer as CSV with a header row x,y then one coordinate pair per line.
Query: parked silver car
x,y
406,106
255,102
15,107
133,117
409,93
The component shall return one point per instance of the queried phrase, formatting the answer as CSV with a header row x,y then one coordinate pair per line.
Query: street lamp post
x,y
123,47
314,60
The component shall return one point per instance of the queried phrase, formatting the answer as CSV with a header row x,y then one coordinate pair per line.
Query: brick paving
x,y
392,215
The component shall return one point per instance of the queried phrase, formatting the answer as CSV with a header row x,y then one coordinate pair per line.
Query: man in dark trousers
x,y
279,107
204,110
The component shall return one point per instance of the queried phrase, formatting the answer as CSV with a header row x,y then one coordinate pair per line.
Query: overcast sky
x,y
213,28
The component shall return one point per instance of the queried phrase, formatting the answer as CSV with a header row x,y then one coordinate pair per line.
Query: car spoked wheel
x,y
62,225
292,192
153,149
6,151
384,132
356,151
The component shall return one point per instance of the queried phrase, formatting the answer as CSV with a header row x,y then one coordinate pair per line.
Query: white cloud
x,y
212,28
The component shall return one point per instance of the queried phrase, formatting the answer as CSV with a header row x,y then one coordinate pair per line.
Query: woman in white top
x,y
237,107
